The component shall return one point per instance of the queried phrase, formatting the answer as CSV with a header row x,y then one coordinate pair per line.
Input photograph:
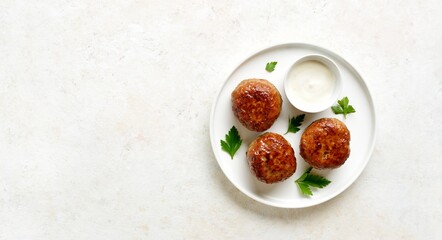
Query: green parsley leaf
x,y
305,189
316,181
337,109
295,123
270,67
343,107
304,175
308,180
232,143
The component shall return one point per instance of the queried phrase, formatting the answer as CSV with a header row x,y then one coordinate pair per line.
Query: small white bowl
x,y
320,103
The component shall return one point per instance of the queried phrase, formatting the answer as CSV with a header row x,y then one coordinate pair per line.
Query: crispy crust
x,y
325,143
271,158
256,103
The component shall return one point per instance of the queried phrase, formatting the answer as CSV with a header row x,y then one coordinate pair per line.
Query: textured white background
x,y
104,114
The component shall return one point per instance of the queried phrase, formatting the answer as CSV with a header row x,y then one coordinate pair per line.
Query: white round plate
x,y
362,126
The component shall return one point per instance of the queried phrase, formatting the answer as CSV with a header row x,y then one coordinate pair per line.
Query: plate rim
x,y
334,55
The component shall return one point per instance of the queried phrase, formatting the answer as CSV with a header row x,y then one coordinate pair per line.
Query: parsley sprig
x,y
232,143
343,107
270,66
295,123
308,180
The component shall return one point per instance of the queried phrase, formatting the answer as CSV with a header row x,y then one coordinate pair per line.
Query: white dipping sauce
x,y
311,82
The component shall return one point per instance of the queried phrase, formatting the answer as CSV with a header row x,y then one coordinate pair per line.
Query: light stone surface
x,y
105,107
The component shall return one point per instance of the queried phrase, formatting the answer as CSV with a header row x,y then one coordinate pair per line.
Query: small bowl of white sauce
x,y
313,83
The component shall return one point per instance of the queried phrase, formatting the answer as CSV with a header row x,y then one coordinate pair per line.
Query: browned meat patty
x,y
325,143
271,158
256,103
